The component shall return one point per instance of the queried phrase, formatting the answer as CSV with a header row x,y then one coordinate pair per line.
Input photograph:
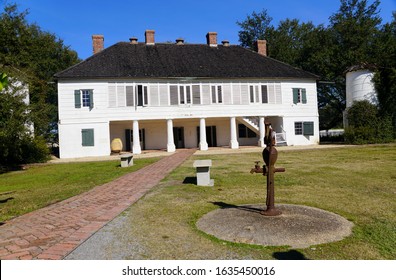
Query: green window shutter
x,y
87,136
91,102
308,128
304,96
295,95
77,98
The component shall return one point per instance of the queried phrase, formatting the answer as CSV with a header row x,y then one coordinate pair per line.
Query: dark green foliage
x,y
365,126
17,142
385,83
34,150
32,55
255,27
29,57
362,113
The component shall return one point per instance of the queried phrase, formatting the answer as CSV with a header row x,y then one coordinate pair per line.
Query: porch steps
x,y
253,124
280,139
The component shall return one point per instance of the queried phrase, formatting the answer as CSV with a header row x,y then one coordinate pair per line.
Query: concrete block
x,y
126,160
203,172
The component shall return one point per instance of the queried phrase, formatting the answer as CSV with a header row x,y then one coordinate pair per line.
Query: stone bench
x,y
203,172
126,160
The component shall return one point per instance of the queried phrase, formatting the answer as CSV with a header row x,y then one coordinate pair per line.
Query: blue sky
x,y
118,20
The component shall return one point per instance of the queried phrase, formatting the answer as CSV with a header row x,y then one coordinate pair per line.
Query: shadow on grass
x,y
5,200
190,180
289,255
224,205
11,168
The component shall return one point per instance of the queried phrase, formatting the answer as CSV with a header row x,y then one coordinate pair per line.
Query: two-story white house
x,y
168,96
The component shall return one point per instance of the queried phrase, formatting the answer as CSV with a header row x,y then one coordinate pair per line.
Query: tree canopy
x,y
354,36
29,57
33,56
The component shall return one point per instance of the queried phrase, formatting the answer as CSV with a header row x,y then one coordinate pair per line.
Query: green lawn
x,y
41,185
358,183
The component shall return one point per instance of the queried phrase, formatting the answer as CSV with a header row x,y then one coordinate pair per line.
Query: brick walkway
x,y
54,231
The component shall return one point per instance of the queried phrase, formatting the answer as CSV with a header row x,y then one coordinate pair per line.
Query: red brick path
x,y
56,230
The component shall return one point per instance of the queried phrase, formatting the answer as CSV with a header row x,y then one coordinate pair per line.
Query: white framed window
x,y
217,94
254,94
298,128
86,100
83,98
185,94
141,95
304,128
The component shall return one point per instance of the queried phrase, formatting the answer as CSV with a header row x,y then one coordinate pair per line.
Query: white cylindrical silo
x,y
360,86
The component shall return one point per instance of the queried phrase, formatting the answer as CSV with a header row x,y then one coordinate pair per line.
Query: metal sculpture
x,y
270,155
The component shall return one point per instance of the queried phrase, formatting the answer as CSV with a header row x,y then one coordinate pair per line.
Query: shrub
x,y
365,126
35,150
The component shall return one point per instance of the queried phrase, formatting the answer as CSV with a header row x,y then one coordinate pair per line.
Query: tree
x,y
385,84
34,56
256,27
355,26
385,76
17,142
353,37
29,57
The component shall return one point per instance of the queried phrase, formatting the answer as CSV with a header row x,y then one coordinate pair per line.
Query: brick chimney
x,y
97,43
261,47
149,34
211,39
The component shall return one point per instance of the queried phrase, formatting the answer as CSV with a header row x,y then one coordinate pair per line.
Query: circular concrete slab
x,y
298,226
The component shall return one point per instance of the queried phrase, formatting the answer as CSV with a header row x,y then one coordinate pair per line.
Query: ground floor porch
x,y
172,134
94,139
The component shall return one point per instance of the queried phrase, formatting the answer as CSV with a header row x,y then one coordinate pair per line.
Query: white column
x,y
234,141
203,145
136,139
171,142
262,132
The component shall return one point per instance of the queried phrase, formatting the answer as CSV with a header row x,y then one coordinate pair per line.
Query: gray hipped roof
x,y
125,60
